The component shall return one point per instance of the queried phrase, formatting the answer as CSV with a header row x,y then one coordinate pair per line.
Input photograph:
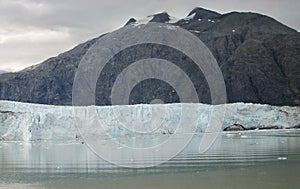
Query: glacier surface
x,y
29,122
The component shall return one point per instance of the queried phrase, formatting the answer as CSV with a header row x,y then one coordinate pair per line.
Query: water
x,y
256,159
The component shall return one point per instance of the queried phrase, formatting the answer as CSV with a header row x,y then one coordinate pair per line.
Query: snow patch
x,y
173,20
190,17
210,20
143,21
146,20
195,31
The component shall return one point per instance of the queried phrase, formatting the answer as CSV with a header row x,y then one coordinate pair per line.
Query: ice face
x,y
21,121
25,122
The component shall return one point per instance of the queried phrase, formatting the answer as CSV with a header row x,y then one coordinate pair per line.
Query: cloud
x,y
33,30
32,35
21,49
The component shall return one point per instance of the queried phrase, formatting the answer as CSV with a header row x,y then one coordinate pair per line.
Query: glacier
x,y
31,122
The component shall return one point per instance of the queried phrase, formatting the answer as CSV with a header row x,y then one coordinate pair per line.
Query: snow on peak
x,y
173,20
203,13
143,20
190,17
163,17
198,14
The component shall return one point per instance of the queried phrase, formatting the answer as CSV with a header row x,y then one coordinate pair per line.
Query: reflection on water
x,y
264,159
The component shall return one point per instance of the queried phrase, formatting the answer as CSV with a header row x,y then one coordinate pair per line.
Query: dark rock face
x,y
150,89
235,127
269,127
238,127
259,58
131,20
201,13
161,17
48,83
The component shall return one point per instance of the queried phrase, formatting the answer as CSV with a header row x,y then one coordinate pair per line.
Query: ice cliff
x,y
25,122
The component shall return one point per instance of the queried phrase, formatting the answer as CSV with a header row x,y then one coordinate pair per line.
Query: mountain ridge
x,y
257,55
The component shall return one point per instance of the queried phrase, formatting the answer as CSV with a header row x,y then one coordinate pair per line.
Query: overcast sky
x,y
34,30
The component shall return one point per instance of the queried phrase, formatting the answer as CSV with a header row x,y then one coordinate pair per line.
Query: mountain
x,y
259,58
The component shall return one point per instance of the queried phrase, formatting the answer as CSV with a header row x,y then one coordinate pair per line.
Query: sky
x,y
33,30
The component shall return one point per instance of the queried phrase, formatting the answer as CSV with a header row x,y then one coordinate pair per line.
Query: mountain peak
x,y
131,20
161,17
201,13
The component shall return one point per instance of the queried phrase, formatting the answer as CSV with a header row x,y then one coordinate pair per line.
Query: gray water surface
x,y
255,159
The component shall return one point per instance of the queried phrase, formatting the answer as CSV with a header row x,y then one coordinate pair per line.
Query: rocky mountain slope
x,y
259,58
